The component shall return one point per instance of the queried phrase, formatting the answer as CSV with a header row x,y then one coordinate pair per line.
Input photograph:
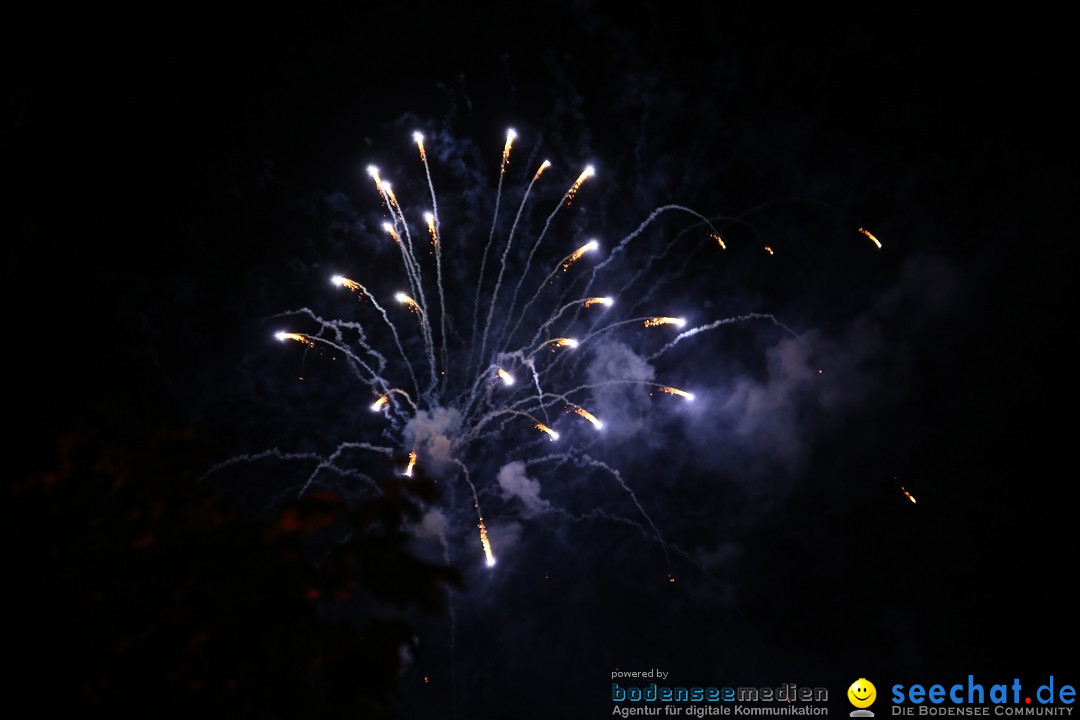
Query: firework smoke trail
x,y
587,460
563,265
388,198
329,462
510,137
433,225
485,543
322,463
648,321
506,251
647,266
584,460
539,391
718,323
564,397
357,287
625,242
584,302
412,267
314,341
587,173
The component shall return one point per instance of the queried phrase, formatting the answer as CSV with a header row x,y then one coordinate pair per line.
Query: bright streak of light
x,y
677,322
389,194
506,377
418,138
590,417
909,495
391,231
510,137
411,465
429,218
374,173
408,301
297,337
543,166
377,405
769,250
566,342
677,391
345,282
588,247
545,429
589,302
870,235
719,240
488,554
587,173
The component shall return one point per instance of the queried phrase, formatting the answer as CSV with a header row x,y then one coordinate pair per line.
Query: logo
x,y
862,694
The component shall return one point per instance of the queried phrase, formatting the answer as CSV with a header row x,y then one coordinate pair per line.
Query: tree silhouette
x,y
137,591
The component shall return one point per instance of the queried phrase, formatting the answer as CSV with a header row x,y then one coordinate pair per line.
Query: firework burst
x,y
451,403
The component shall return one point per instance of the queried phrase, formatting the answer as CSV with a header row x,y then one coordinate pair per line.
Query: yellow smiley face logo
x,y
862,693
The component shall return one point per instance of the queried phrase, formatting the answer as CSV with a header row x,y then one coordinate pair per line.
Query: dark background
x,y
175,178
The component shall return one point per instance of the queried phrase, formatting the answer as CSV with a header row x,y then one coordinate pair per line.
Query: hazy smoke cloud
x,y
431,433
818,380
772,407
515,483
432,525
624,408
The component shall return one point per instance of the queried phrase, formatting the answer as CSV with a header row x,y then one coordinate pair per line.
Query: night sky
x,y
176,180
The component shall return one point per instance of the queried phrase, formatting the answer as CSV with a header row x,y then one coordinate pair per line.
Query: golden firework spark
x,y
377,405
587,173
429,218
346,283
391,231
677,391
587,247
486,543
545,429
407,301
719,240
540,171
769,250
909,495
510,137
870,235
590,417
506,377
411,465
653,322
418,137
388,191
589,302
565,342
297,337
374,173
